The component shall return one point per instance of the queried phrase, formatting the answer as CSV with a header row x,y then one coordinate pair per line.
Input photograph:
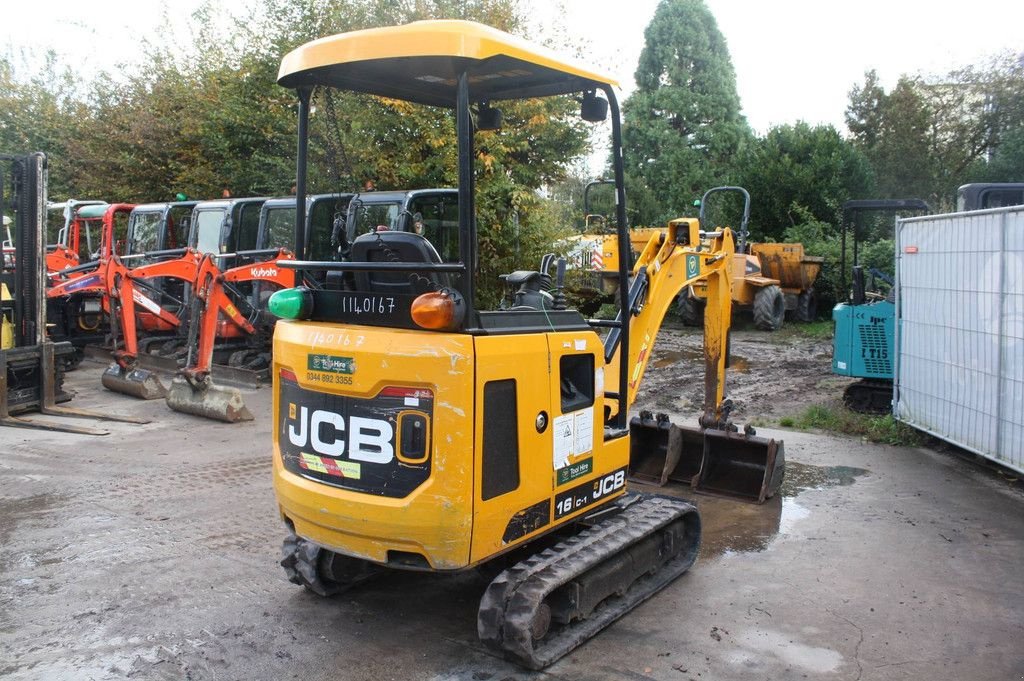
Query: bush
x,y
824,239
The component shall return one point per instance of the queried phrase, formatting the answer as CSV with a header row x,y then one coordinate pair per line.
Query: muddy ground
x,y
771,375
151,553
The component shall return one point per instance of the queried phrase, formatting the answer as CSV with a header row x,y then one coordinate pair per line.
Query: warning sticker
x,y
573,435
563,435
583,440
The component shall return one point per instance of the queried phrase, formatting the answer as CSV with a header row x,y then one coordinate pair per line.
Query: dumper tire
x,y
769,308
806,306
690,308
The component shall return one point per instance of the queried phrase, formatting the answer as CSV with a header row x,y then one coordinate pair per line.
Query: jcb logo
x,y
608,484
325,432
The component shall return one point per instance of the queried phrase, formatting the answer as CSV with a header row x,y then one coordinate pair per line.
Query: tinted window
x,y
245,228
178,222
144,228
997,198
321,226
280,227
440,224
370,217
207,230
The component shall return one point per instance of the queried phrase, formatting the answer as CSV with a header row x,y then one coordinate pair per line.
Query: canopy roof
x,y
421,62
92,212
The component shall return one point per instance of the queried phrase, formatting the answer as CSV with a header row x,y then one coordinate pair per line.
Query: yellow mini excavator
x,y
415,431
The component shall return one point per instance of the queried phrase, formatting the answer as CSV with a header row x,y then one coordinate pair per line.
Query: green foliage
x,y
1007,162
205,120
41,112
824,239
799,165
682,127
930,135
836,418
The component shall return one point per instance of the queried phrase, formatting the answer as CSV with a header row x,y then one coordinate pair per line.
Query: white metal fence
x,y
959,370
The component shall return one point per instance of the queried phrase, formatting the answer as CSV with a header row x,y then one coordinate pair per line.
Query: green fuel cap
x,y
291,303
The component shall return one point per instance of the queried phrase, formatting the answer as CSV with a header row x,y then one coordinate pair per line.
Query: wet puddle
x,y
737,363
735,527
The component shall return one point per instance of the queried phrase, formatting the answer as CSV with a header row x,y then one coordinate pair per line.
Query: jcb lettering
x,y
369,440
609,484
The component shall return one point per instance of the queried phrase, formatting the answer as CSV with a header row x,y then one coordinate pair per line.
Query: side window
x,y
321,221
440,224
280,229
207,231
246,226
120,232
143,230
576,377
178,224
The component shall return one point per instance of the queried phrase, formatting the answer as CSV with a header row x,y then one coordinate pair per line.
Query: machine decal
x,y
575,470
528,520
350,442
331,364
573,435
329,466
588,493
145,302
83,283
692,266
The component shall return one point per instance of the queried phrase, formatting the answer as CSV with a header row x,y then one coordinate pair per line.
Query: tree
x,y
812,168
683,125
931,134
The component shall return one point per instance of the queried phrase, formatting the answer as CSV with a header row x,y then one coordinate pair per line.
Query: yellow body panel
x,y
445,518
435,520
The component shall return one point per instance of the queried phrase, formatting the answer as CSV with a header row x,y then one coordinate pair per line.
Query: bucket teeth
x,y
136,382
209,401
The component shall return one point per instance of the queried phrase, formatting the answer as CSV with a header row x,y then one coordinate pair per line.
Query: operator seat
x,y
392,246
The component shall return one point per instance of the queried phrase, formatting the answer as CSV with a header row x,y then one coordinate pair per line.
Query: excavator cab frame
x,y
423,63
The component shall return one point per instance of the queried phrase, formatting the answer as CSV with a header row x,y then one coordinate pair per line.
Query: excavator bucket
x,y
715,462
208,400
745,467
661,451
136,382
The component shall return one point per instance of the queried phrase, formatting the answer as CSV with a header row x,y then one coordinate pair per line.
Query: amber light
x,y
435,310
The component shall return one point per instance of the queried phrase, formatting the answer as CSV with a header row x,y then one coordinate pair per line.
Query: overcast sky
x,y
794,59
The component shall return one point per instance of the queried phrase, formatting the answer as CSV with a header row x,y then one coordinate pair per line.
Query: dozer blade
x,y
741,466
136,382
209,401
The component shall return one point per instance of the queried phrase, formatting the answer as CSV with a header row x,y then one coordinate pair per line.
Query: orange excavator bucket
x,y
207,399
718,462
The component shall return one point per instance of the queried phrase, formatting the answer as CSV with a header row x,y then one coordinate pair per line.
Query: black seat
x,y
393,246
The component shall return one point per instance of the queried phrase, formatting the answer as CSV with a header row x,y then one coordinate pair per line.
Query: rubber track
x,y
508,606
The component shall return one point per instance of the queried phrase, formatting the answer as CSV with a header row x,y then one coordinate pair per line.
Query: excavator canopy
x,y
422,61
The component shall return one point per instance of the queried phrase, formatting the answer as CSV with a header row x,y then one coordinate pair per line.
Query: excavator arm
x,y
671,260
714,458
